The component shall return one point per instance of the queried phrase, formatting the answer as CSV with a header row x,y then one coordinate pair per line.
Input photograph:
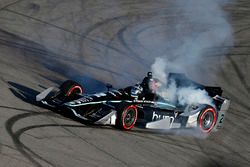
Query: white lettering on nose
x,y
155,116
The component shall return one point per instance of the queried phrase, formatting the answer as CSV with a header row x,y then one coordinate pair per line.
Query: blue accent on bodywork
x,y
165,105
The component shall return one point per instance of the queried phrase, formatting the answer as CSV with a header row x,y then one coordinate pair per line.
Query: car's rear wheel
x,y
126,117
70,88
207,119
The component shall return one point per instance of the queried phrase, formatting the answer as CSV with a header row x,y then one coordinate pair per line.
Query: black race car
x,y
139,104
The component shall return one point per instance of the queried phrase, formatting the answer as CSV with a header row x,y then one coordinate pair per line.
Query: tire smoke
x,y
202,29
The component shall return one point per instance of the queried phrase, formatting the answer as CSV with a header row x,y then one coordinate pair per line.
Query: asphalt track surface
x,y
45,42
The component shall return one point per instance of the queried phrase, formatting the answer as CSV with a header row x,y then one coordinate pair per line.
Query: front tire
x,y
70,88
207,119
126,117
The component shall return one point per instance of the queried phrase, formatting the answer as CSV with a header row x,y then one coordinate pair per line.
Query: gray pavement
x,y
43,42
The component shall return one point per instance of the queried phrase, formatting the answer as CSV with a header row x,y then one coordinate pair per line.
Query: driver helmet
x,y
149,75
136,91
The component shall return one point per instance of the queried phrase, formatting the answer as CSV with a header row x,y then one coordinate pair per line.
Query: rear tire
x,y
207,119
126,117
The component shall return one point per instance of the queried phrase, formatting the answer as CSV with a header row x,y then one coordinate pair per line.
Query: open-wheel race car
x,y
139,104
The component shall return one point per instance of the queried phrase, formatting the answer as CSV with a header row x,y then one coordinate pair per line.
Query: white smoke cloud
x,y
181,96
159,68
191,95
201,27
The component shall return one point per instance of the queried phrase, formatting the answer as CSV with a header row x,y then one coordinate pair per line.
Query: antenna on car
x,y
109,86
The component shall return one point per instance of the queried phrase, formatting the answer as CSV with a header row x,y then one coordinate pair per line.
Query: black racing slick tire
x,y
126,117
70,88
207,119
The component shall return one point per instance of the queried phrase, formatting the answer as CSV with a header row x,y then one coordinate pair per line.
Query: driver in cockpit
x,y
146,89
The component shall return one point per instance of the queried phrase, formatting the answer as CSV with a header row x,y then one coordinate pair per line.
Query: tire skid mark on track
x,y
96,147
171,141
243,29
66,30
233,151
226,78
212,154
240,75
235,99
209,156
15,136
236,126
24,149
50,55
181,147
23,130
19,146
160,144
108,45
132,53
10,4
27,152
237,113
13,157
86,141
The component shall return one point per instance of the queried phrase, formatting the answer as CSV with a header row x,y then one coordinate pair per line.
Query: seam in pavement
x,y
10,4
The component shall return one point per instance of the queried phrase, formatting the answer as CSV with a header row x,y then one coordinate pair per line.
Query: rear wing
x,y
182,81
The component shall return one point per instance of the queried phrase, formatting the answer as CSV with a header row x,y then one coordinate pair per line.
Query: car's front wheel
x,y
69,91
126,117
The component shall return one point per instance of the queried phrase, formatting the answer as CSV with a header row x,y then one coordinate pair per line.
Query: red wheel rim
x,y
125,114
202,117
73,88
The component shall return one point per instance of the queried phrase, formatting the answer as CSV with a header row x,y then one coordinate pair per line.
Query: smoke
x,y
192,95
159,68
181,96
201,29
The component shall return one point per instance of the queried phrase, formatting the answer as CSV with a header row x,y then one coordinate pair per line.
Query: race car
x,y
139,104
